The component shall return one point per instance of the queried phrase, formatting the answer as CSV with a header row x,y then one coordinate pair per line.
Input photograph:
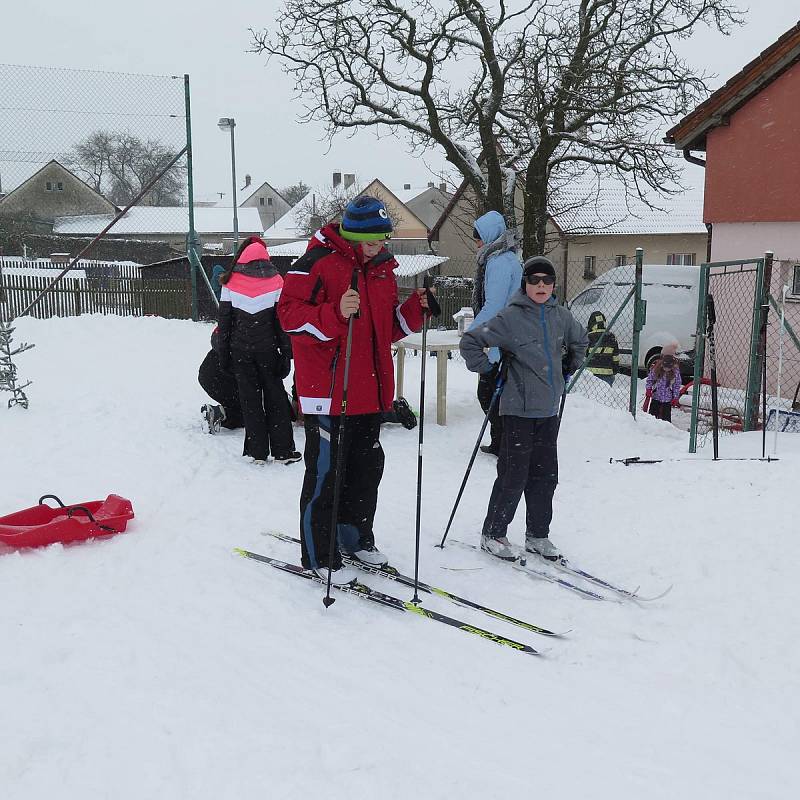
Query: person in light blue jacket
x,y
497,279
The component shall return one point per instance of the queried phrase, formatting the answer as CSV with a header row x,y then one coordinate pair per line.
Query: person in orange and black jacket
x,y
314,309
255,349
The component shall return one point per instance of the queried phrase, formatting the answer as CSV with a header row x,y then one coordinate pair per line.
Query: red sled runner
x,y
42,525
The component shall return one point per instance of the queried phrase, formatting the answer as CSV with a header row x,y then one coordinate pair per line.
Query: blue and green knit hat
x,y
365,220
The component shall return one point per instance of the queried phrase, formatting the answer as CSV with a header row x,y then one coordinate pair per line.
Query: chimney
x,y
349,179
406,186
247,180
337,179
442,187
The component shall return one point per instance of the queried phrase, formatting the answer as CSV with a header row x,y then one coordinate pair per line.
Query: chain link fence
x,y
77,147
756,318
605,308
783,346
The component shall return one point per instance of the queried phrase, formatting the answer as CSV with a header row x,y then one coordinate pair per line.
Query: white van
x,y
671,293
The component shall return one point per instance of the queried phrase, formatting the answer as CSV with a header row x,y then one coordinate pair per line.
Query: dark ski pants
x,y
528,463
661,410
267,424
487,383
221,388
363,469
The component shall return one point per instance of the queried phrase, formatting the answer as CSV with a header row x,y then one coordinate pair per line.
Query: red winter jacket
x,y
309,312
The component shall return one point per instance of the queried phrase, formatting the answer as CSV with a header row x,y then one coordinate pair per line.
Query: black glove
x,y
405,416
565,370
283,364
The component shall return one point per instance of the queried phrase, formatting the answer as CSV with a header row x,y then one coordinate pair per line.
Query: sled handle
x,y
50,497
80,508
91,518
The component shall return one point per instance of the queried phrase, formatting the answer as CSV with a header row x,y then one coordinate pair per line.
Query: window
x,y
60,186
261,201
588,298
48,187
620,261
796,280
588,267
682,259
269,201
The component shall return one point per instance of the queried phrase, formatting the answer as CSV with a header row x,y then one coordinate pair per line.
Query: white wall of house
x,y
734,240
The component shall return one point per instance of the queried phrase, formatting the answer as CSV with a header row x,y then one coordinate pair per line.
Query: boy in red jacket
x,y
314,309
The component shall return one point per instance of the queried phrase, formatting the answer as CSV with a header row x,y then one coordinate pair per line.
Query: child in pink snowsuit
x,y
664,384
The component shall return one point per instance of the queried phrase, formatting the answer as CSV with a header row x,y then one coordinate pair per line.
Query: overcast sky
x,y
208,40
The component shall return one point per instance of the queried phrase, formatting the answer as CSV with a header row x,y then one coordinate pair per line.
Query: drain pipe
x,y
687,154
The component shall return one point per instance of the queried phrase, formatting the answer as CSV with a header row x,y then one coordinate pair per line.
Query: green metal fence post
x,y
192,241
639,315
754,364
699,353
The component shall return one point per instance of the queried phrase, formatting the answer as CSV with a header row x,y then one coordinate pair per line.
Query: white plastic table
x,y
439,342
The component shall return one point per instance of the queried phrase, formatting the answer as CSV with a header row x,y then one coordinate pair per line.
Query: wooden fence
x,y
114,269
162,297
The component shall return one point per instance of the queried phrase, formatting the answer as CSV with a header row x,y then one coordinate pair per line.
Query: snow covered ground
x,y
158,664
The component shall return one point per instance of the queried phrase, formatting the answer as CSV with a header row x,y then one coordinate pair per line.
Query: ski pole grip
x,y
354,287
434,309
505,362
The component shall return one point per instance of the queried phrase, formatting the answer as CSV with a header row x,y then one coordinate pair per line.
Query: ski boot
x,y
213,416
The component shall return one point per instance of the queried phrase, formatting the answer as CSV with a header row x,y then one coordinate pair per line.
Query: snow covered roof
x,y
292,225
162,220
610,212
408,266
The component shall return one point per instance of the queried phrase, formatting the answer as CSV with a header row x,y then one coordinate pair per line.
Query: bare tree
x,y
593,94
435,71
295,193
318,208
120,165
532,93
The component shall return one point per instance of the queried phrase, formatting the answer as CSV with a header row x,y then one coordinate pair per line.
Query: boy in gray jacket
x,y
532,331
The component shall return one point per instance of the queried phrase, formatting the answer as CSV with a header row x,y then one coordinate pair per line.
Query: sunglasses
x,y
547,280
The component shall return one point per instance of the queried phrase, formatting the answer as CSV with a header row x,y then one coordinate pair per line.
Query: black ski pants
x,y
267,423
362,471
487,383
661,410
528,463
221,388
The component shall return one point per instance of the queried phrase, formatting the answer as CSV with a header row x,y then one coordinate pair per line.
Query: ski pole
x,y
498,390
433,311
337,483
780,365
561,406
711,321
764,311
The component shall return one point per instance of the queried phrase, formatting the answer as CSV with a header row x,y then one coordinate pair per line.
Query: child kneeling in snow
x,y
664,382
531,331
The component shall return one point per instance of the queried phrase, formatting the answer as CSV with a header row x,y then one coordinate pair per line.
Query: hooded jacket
x,y
534,335
248,320
309,312
604,360
499,271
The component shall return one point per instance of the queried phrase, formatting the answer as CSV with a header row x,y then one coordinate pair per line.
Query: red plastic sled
x,y
42,525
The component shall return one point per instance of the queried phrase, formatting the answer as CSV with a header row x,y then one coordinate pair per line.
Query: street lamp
x,y
228,124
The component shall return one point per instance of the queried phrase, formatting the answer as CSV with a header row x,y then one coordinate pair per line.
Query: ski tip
x,y
654,597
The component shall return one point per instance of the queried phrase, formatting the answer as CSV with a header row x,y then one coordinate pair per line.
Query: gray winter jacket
x,y
534,335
